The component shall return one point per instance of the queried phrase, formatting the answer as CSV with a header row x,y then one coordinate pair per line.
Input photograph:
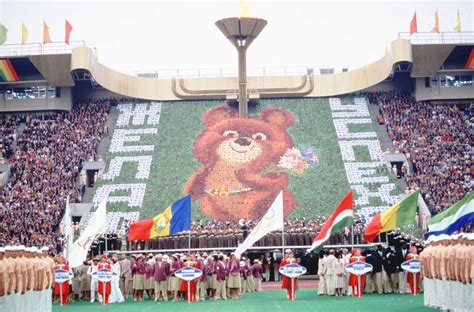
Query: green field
x,y
266,301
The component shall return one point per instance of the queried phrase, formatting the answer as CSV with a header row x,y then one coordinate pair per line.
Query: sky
x,y
164,35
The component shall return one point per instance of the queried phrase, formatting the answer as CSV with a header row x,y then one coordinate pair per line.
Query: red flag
x,y
413,25
68,31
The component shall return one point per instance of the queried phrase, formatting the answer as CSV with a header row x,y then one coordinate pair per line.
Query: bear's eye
x,y
231,133
259,136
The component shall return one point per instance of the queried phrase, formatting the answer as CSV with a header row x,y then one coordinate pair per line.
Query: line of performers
x,y
448,271
153,277
26,279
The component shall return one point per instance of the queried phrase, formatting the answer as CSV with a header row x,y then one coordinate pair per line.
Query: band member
x,y
356,283
413,279
104,287
233,281
138,275
286,282
160,273
62,289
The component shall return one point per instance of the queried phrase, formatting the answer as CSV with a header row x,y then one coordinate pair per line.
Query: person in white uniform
x,y
115,292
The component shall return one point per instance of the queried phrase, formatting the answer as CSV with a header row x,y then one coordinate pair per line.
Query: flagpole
x,y
352,234
189,240
283,239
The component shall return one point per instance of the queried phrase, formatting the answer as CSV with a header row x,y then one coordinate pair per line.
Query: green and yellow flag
x,y
3,34
24,33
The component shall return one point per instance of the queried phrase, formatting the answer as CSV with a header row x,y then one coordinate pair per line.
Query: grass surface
x,y
267,301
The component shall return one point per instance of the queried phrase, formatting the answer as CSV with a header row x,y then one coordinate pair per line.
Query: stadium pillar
x,y
241,32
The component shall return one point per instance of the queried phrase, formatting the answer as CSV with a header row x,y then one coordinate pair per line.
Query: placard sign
x,y
359,268
188,273
61,276
412,266
292,270
104,275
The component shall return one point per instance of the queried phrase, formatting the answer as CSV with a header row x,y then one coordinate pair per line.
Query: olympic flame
x,y
245,9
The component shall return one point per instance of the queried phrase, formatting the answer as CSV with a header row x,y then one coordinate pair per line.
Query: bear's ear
x,y
277,116
218,113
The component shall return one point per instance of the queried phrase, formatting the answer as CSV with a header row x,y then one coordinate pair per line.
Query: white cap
x,y
9,248
39,251
27,249
2,249
45,248
34,249
21,247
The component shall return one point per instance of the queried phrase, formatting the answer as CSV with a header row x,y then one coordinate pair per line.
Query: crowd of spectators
x,y
8,134
436,139
44,171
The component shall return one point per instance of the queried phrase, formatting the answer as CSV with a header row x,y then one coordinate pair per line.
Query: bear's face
x,y
240,141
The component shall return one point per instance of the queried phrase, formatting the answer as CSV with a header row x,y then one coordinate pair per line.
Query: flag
x,y
436,24
68,31
176,218
453,218
271,221
46,37
340,218
413,25
68,233
96,226
3,33
7,71
457,27
470,60
24,33
401,214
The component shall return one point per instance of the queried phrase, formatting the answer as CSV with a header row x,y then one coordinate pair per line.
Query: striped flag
x,y
457,27
340,218
401,214
453,218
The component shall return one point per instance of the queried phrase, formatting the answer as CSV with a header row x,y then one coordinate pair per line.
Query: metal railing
x,y
448,37
39,48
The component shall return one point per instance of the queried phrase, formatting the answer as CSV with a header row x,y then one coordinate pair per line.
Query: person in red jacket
x,y
62,289
286,281
413,279
353,280
104,287
191,295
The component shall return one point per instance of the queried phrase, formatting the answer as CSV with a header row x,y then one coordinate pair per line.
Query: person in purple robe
x,y
233,279
160,271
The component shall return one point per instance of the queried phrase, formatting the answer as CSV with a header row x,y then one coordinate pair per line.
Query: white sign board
x,y
292,270
359,268
188,273
61,276
412,266
104,275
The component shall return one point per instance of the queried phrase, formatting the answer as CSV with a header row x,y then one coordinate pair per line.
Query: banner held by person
x,y
342,217
452,219
97,226
271,221
176,218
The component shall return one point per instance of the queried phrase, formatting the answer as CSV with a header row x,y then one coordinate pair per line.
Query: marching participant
x,y
356,284
93,284
233,282
321,273
116,293
286,281
330,272
125,276
191,294
243,276
138,275
173,281
257,274
413,279
104,287
219,275
61,290
160,272
149,282
202,281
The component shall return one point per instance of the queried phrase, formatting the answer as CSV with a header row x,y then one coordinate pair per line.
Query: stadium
x,y
116,184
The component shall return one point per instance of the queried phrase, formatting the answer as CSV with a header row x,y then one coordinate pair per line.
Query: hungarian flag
x,y
413,25
176,218
340,218
401,214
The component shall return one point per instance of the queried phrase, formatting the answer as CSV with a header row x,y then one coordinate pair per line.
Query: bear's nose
x,y
243,141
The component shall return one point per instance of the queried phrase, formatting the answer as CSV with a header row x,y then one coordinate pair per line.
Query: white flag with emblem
x,y
271,221
96,226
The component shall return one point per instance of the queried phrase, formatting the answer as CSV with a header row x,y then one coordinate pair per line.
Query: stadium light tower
x,y
241,32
